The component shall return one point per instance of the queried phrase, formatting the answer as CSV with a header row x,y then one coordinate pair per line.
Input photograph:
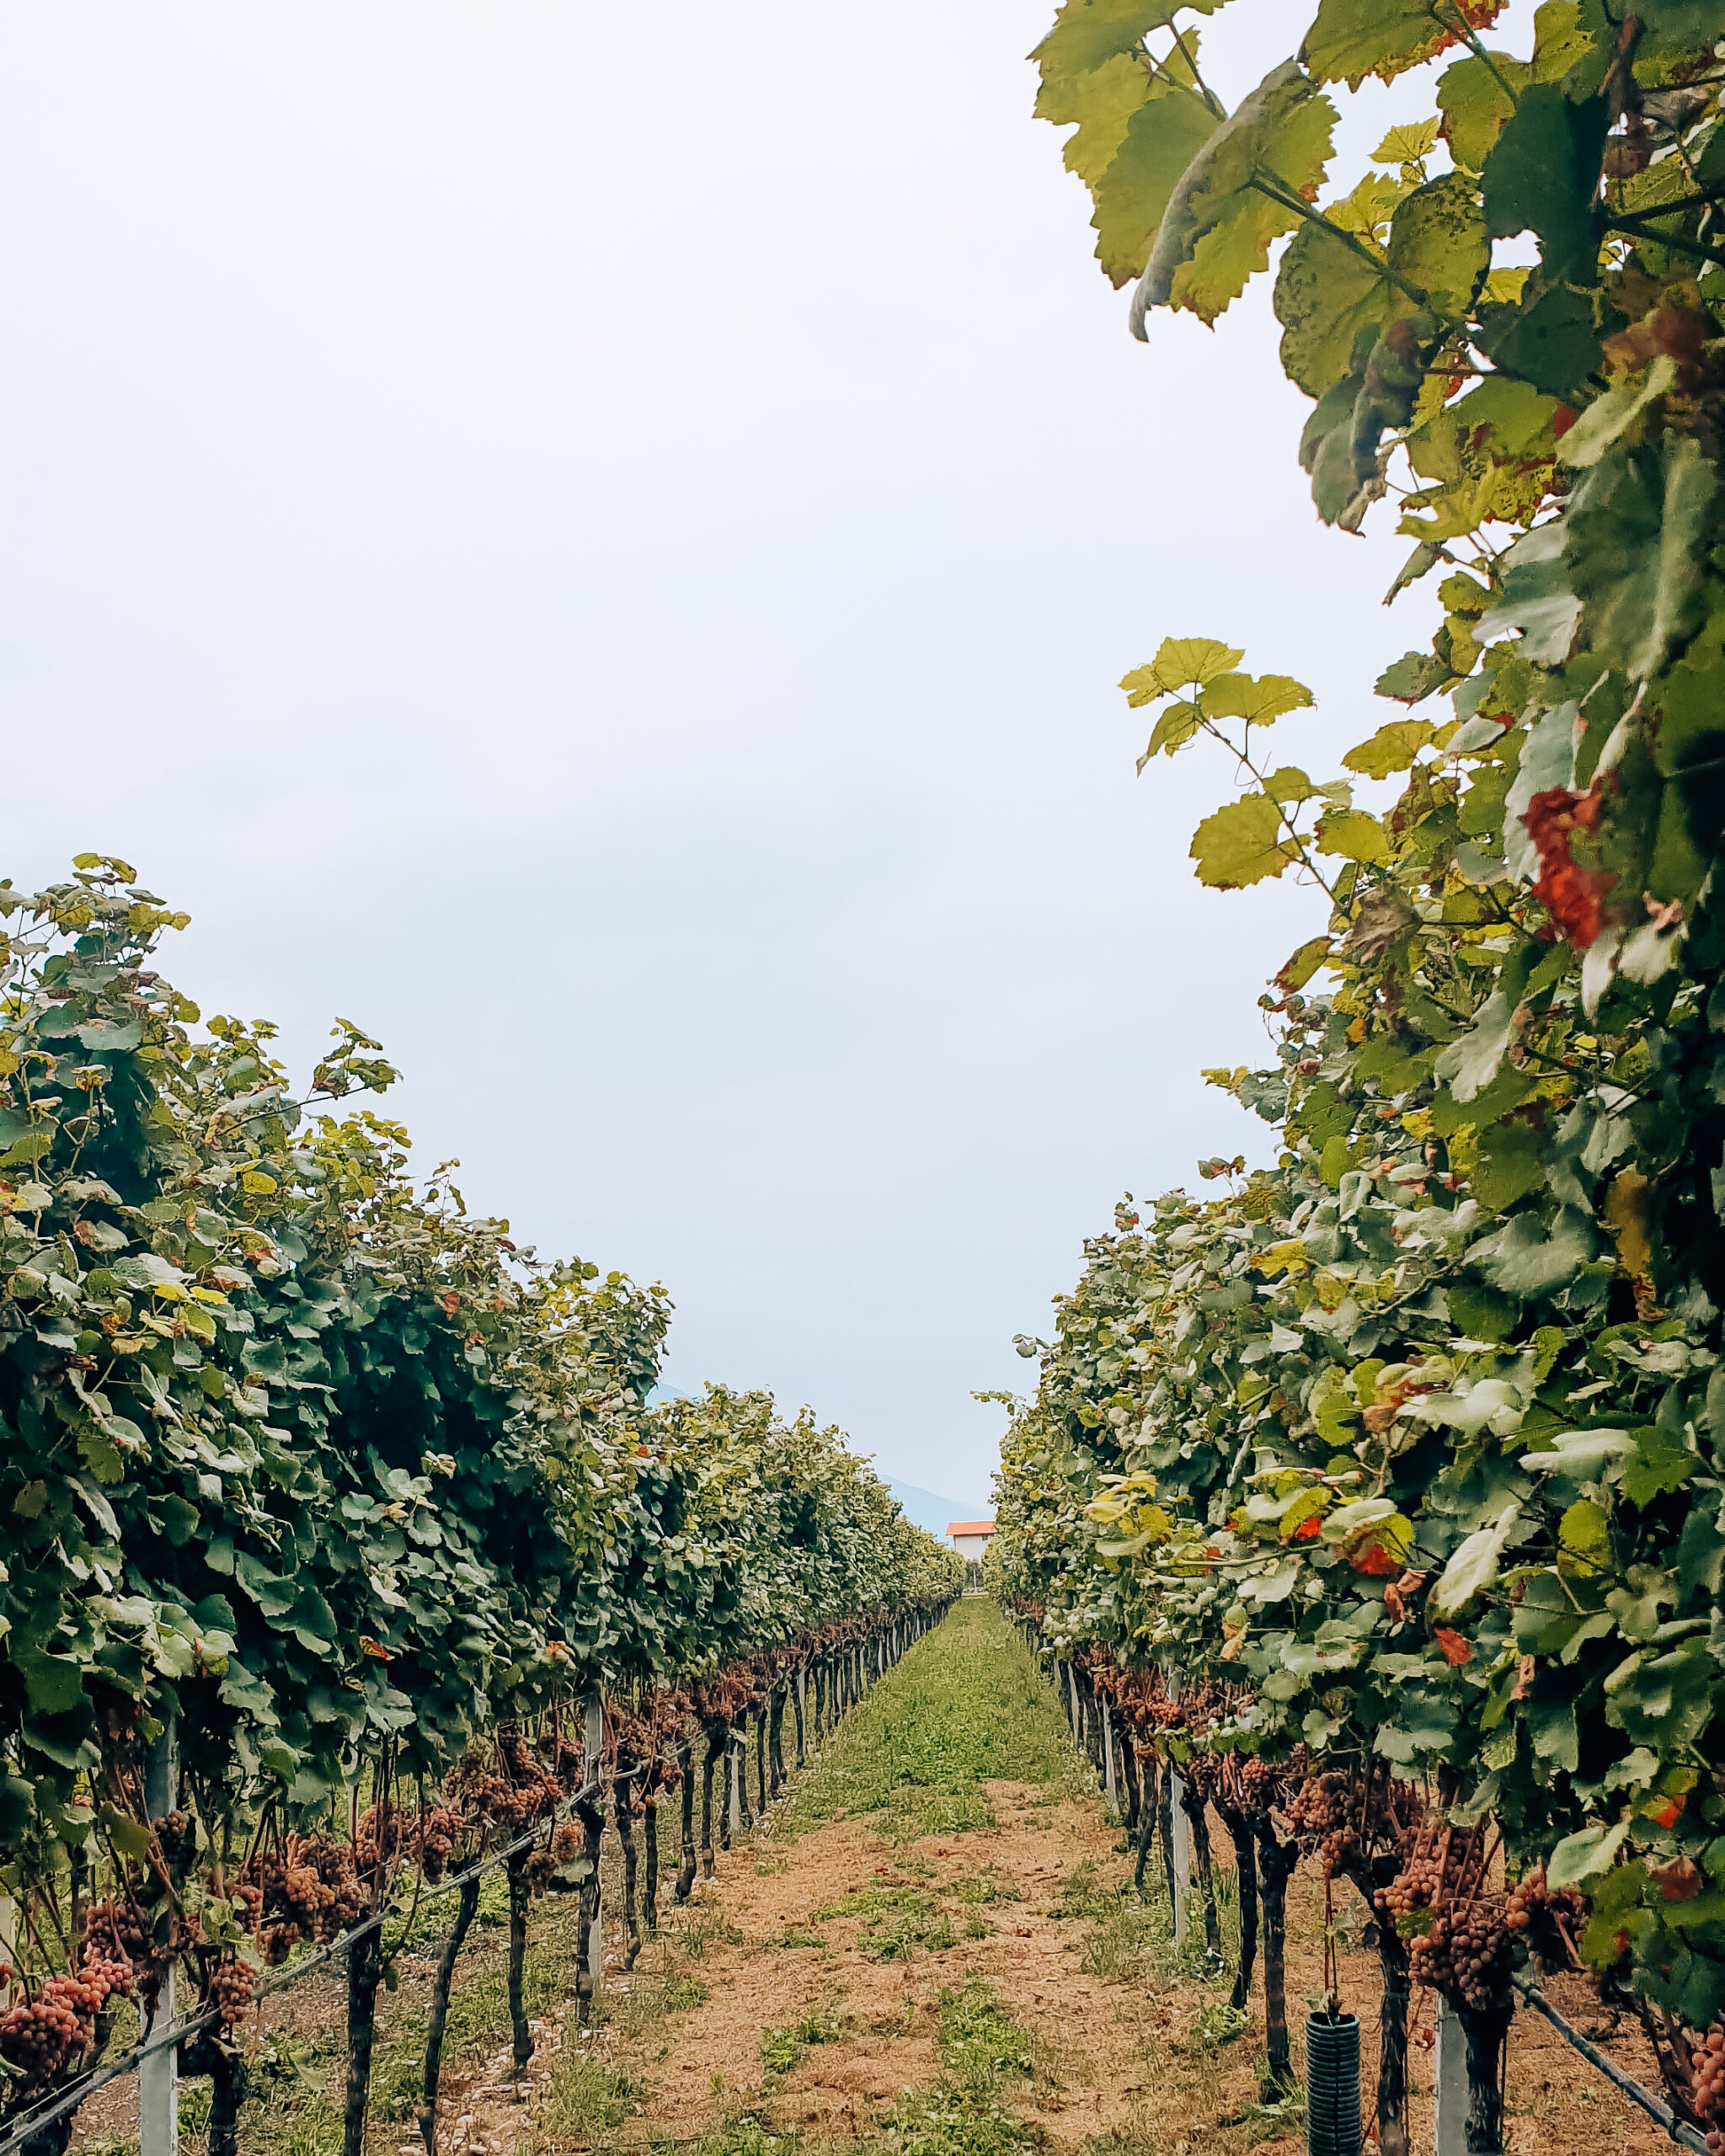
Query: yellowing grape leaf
x,y
1353,38
1259,701
1626,1217
1102,105
1233,200
1392,748
1162,138
1241,844
1325,295
1559,40
1475,104
1173,730
1291,786
1407,146
1438,244
1087,34
1355,834
1303,964
1181,663
1583,1531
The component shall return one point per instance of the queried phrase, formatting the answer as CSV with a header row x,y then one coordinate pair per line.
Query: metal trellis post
x,y
158,2076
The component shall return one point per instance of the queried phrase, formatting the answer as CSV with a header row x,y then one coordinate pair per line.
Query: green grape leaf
x,y
1639,525
1259,701
1219,220
1542,175
1355,833
1473,1568
1181,663
1523,1259
1438,244
1241,844
1415,676
1392,748
54,1682
1351,39
1470,1062
1579,1856
1339,446
1547,336
1661,1464
1609,418
1539,598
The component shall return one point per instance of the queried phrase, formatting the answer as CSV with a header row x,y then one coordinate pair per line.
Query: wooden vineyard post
x,y
158,2076
1449,2083
1108,1754
737,1761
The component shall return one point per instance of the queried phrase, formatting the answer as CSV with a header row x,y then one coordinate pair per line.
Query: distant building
x,y
970,1537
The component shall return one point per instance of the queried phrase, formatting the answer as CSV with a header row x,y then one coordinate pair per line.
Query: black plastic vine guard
x,y
1332,2122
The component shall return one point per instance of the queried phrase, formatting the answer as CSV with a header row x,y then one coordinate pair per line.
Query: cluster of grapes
x,y
1256,1787
1345,1817
511,1801
439,1830
309,1889
1436,1861
115,1933
1706,2085
115,1929
1466,1954
1328,1815
39,2035
1467,1949
231,1990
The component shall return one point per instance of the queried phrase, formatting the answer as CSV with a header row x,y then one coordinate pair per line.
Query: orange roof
x,y
970,1526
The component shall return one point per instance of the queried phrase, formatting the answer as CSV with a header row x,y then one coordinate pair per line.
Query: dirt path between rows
x,y
856,1938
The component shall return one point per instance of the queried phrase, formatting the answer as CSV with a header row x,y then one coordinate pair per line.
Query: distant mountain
x,y
929,1511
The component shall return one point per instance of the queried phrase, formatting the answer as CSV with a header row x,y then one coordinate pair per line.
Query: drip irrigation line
x,y
1680,2132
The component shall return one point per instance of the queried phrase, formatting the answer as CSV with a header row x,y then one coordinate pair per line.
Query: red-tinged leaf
x,y
1457,1651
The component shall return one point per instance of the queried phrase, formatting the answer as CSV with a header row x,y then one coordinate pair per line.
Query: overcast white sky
x,y
598,543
